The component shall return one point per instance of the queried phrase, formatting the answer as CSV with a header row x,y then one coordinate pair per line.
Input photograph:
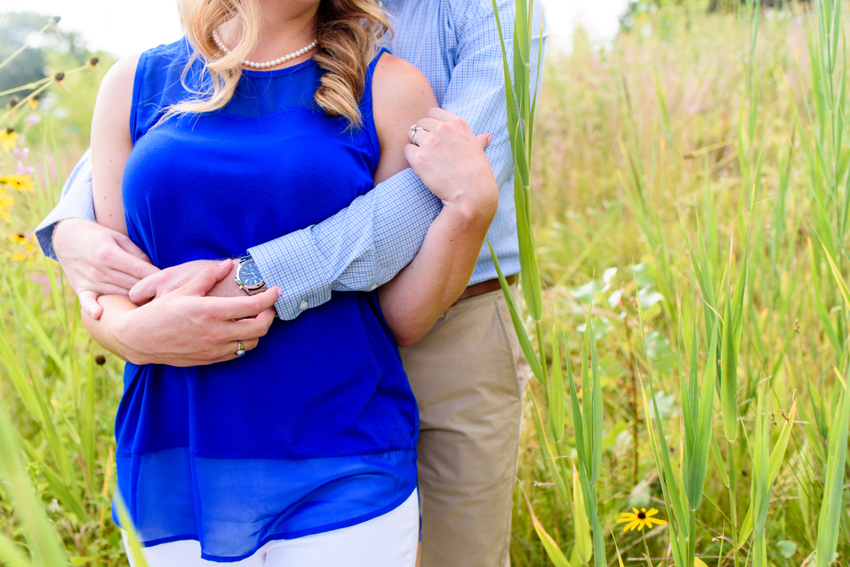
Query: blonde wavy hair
x,y
347,35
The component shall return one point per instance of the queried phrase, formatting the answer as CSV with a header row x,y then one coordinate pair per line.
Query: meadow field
x,y
689,198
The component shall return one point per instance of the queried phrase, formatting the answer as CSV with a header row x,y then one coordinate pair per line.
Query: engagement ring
x,y
411,134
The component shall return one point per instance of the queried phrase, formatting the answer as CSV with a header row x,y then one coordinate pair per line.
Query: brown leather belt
x,y
484,287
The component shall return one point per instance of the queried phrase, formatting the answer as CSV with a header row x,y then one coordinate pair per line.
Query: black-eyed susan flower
x,y
24,240
6,202
8,138
33,101
639,519
26,247
18,182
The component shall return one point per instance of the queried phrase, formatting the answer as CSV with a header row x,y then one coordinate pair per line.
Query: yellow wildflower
x,y
6,202
8,138
18,182
19,257
23,240
637,520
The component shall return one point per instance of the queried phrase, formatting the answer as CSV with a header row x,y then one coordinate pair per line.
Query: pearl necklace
x,y
266,64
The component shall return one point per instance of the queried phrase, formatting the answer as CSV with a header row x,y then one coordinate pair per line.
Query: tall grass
x,y
724,135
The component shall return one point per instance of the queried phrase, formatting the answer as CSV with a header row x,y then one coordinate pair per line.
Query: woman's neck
x,y
287,26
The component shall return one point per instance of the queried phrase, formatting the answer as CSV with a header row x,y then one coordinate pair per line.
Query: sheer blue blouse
x,y
316,428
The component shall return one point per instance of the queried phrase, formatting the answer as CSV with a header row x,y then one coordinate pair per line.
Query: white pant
x,y
386,541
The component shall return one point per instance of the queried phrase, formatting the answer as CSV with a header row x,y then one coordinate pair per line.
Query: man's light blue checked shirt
x,y
455,43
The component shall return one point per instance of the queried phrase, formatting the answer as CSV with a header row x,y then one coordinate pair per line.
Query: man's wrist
x,y
53,239
247,276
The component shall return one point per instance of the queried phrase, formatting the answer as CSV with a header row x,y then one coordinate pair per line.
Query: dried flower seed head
x,y
100,360
93,62
53,21
58,78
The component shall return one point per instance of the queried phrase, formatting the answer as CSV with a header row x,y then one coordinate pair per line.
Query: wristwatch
x,y
248,276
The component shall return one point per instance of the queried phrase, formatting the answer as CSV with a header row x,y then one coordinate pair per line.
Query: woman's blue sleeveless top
x,y
316,428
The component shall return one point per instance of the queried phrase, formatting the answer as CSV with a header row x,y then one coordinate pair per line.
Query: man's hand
x,y
449,158
185,328
98,261
165,281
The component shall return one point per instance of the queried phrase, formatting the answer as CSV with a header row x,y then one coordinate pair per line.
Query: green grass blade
x,y
59,488
524,342
832,507
549,455
128,527
583,549
578,420
43,541
698,467
557,411
776,458
11,554
556,556
597,412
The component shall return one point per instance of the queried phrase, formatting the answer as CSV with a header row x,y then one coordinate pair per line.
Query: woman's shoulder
x,y
401,95
395,78
117,84
121,75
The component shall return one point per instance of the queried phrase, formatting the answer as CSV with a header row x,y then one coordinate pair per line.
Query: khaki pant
x,y
468,375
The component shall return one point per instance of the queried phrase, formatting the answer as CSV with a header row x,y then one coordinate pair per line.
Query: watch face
x,y
249,275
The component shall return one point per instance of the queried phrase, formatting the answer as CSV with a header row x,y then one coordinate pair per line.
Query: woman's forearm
x,y
105,330
414,300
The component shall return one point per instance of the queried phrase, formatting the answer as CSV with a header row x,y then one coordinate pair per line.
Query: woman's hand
x,y
185,328
449,158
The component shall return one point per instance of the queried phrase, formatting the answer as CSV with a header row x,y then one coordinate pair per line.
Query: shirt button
x,y
374,287
303,305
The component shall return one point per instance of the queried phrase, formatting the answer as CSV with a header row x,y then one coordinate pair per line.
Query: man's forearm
x,y
358,249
